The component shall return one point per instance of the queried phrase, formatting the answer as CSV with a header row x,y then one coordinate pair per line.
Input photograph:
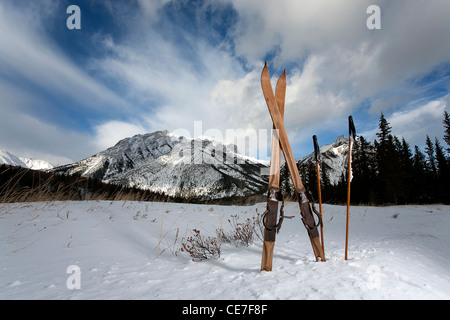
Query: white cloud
x,y
27,136
414,38
28,55
416,122
414,125
172,89
296,28
334,63
414,34
109,133
239,103
151,7
31,67
342,62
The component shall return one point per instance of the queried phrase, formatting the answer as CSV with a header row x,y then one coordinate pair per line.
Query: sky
x,y
194,67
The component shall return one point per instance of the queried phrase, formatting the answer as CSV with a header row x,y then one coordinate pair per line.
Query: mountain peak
x,y
8,158
176,166
196,169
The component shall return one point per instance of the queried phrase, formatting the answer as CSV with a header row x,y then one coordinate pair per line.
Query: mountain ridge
x,y
28,163
174,165
199,169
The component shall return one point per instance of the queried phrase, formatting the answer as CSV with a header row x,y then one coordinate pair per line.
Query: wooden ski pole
x,y
351,136
317,157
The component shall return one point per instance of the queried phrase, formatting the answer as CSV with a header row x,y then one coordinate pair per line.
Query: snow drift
x,y
130,250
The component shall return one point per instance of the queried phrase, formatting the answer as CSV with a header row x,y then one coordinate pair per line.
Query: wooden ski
x,y
270,216
301,193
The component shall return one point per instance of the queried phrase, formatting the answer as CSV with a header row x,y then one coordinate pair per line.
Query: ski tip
x,y
265,72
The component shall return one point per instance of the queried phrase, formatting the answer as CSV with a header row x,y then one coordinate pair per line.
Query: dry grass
x,y
18,185
242,233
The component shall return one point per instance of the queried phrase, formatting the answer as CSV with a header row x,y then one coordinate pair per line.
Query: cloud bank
x,y
166,64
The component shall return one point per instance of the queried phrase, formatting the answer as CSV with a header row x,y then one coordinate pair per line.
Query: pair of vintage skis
x,y
280,142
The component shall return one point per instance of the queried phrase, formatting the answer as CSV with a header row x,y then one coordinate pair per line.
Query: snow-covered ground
x,y
130,250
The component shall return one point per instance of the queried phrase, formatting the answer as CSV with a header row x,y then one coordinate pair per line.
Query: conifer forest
x,y
390,171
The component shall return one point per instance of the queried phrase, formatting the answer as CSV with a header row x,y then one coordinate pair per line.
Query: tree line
x,y
19,184
386,171
389,171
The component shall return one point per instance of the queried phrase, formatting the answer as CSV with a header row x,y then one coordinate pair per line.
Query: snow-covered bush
x,y
242,233
201,248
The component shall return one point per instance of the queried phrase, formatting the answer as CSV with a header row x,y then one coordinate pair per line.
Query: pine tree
x,y
419,161
312,179
286,183
429,150
442,178
324,181
406,166
396,174
363,168
406,154
441,163
340,190
419,176
385,129
447,130
386,163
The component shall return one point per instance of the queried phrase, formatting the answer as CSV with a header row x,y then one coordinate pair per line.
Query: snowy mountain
x,y
334,156
176,166
197,169
8,158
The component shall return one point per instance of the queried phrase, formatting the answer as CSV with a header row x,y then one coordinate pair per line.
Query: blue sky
x,y
141,66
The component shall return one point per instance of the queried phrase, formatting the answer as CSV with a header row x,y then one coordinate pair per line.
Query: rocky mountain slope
x,y
176,166
334,156
198,169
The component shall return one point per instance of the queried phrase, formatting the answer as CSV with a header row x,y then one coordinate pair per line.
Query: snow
x,y
130,250
8,158
36,164
174,165
335,156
